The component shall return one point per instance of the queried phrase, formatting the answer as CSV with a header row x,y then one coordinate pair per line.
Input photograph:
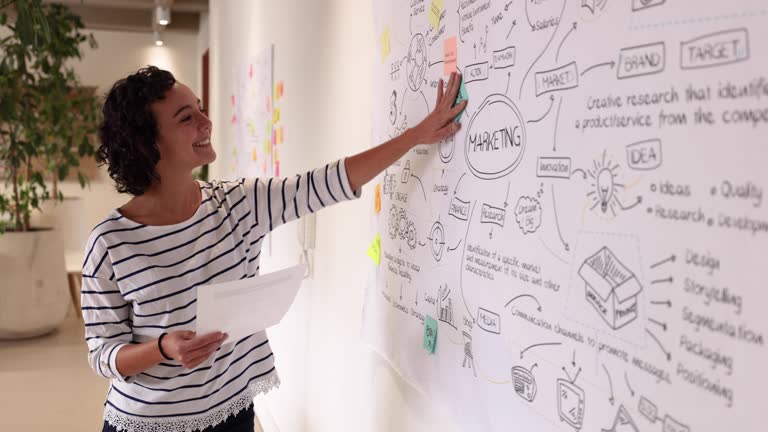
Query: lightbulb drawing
x,y
606,188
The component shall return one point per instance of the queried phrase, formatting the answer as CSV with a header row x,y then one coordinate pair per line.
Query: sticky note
x,y
430,334
435,10
450,55
276,115
234,119
385,45
280,89
250,71
374,251
233,100
282,134
377,199
463,95
277,168
253,155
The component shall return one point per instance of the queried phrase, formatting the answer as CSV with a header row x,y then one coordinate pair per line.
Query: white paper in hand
x,y
244,307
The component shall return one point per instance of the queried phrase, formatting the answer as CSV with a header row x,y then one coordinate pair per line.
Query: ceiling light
x,y
163,15
158,39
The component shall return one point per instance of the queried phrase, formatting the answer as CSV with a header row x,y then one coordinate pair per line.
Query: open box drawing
x,y
612,289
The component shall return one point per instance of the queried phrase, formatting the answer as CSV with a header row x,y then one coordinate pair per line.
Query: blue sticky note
x,y
461,96
430,334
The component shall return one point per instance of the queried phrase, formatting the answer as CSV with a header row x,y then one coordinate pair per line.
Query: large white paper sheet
x,y
593,241
243,307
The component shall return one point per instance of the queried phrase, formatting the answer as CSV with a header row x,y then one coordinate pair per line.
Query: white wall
x,y
323,52
119,54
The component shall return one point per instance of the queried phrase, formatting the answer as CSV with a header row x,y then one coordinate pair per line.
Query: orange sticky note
x,y
377,199
253,155
449,49
281,88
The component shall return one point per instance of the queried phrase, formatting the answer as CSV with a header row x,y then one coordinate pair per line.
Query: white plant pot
x,y
34,294
67,217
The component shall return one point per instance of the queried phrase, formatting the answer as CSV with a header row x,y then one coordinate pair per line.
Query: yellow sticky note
x,y
377,199
450,55
253,155
276,115
385,44
435,10
374,251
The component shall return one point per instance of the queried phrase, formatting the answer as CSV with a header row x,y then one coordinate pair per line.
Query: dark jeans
x,y
242,422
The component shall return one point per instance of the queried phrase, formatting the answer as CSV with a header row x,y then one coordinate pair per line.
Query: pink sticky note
x,y
277,169
274,136
234,119
233,100
449,62
250,72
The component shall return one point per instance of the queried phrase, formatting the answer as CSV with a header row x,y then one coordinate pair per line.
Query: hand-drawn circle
x,y
416,67
446,149
490,156
437,236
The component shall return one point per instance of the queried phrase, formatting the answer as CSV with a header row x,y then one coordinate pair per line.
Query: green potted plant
x,y
46,127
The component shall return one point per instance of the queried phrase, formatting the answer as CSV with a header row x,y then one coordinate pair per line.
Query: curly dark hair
x,y
128,132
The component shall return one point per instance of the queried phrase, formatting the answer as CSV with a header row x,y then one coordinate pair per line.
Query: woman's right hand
x,y
189,349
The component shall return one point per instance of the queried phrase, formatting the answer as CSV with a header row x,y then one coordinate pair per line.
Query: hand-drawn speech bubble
x,y
528,214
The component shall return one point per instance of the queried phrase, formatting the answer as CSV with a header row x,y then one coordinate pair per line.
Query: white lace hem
x,y
128,423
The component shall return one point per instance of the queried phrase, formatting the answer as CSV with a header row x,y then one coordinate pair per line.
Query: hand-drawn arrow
x,y
538,345
458,12
453,249
463,253
626,379
551,38
610,383
422,186
507,198
525,296
664,261
506,6
610,63
573,362
666,280
658,323
514,23
666,353
457,183
631,206
583,173
572,380
557,121
551,102
557,223
533,27
509,77
557,55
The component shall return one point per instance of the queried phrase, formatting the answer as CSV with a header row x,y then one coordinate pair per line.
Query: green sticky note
x,y
374,251
430,334
461,96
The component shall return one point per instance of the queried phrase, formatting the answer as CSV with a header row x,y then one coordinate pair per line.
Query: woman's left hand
x,y
440,124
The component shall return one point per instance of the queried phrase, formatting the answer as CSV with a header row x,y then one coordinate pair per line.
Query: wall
x,y
323,51
117,55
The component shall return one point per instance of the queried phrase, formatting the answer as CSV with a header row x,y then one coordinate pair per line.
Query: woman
x,y
145,261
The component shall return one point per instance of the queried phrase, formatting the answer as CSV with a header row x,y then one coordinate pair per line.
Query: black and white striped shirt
x,y
140,281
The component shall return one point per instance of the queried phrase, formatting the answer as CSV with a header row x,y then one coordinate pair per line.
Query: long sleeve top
x,y
140,281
